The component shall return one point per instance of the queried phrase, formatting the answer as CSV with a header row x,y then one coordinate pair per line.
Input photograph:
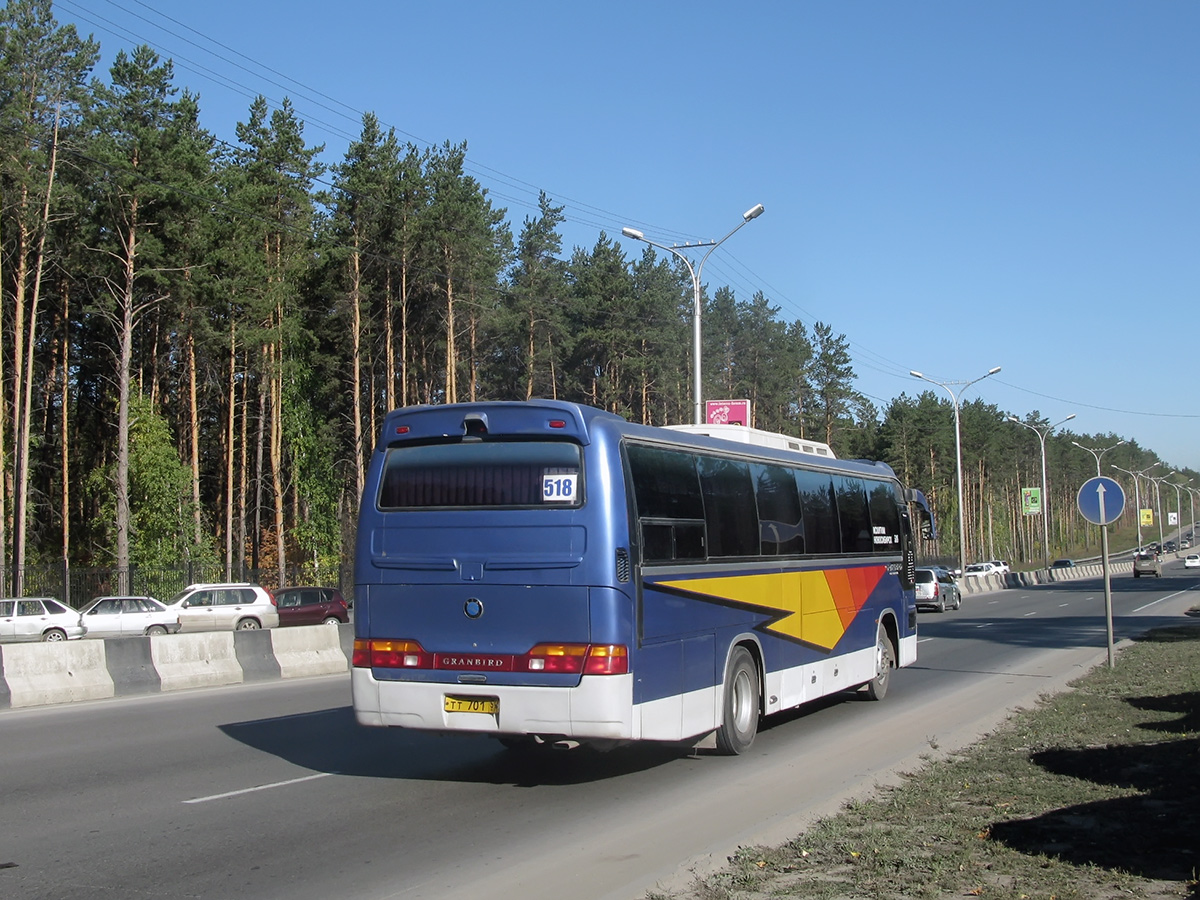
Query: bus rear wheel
x,y
885,661
739,719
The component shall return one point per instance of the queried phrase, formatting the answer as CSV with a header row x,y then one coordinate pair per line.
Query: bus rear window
x,y
482,474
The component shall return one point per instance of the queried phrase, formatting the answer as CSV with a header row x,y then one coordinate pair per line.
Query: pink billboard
x,y
727,412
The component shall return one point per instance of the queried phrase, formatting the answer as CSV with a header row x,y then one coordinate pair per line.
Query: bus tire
x,y
885,661
739,718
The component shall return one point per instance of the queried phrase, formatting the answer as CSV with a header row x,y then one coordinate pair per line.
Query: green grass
x,y
1093,794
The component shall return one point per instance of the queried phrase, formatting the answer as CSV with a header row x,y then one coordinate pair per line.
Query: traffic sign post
x,y
1101,501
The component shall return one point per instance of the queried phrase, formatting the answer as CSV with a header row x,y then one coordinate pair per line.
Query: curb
x,y
42,674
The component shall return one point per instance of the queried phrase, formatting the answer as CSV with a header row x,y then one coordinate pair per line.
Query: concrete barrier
x,y
40,674
315,650
988,583
205,659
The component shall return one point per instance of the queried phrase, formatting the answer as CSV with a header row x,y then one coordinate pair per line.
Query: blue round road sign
x,y
1101,500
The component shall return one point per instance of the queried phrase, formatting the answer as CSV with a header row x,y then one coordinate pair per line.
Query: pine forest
x,y
201,335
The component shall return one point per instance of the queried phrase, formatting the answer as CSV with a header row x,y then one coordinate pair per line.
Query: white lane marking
x,y
1028,614
1168,597
1063,605
261,787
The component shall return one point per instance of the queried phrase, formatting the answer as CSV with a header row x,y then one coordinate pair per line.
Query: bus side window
x,y
666,491
885,517
821,531
853,516
729,511
781,518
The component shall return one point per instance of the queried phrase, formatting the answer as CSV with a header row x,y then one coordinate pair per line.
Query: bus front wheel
x,y
739,720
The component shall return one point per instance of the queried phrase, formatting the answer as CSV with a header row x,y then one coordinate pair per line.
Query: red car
x,y
311,606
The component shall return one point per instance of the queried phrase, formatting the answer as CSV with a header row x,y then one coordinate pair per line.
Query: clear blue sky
x,y
953,186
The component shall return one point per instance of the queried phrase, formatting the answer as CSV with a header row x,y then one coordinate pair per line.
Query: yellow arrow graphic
x,y
813,607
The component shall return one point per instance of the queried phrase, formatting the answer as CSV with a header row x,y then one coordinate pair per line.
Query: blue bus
x,y
545,572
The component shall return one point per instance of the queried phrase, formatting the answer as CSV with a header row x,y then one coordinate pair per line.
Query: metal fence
x,y
76,585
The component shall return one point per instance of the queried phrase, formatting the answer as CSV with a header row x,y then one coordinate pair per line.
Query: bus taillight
x,y
593,659
607,659
391,655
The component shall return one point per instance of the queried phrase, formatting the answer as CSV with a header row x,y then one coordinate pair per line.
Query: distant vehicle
x,y
1185,544
1000,566
1063,564
1191,561
1147,564
980,570
122,616
1169,546
311,606
936,589
38,619
224,607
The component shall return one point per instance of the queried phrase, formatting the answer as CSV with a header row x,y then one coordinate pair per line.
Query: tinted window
x,y
853,516
885,517
665,485
821,532
780,515
482,473
729,511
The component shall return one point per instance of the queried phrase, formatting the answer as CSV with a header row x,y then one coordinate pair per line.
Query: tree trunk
x,y
356,357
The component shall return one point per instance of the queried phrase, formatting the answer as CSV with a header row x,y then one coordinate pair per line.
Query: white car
x,y
38,619
1000,566
1191,561
225,607
122,616
980,570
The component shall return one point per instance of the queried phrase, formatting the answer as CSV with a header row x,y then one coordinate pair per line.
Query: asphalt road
x,y
271,790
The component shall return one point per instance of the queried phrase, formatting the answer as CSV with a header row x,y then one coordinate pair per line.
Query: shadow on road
x,y
332,741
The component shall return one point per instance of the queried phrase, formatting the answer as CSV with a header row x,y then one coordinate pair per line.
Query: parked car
x,y
1191,561
937,590
1147,564
311,606
1000,566
221,607
38,619
979,570
1063,564
122,616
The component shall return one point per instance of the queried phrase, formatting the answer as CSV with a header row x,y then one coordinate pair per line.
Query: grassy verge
x,y
1092,795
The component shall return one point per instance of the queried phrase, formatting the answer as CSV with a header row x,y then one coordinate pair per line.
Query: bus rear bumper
x,y
599,707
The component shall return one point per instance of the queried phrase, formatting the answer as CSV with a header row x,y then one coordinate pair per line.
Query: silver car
x,y
38,619
937,589
122,616
225,607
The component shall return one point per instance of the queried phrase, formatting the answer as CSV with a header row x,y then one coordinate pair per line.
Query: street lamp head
x,y
1068,418
993,371
633,233
1015,419
915,374
753,213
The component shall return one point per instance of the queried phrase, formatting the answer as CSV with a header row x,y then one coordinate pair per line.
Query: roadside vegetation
x,y
1091,795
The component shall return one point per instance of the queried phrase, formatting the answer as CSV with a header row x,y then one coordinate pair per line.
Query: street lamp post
x,y
1098,453
1192,503
1158,480
1042,433
1179,513
1137,494
753,213
945,385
